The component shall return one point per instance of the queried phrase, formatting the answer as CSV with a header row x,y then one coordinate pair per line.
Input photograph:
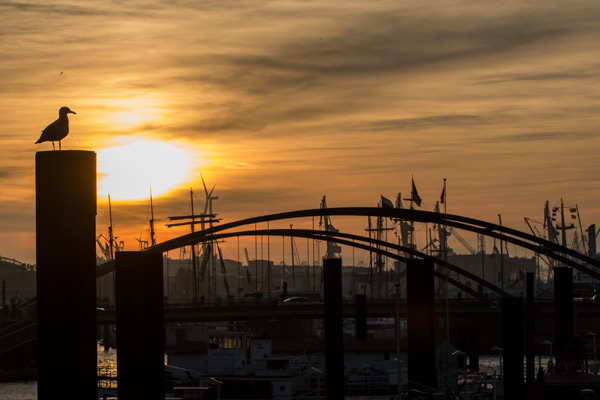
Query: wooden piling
x,y
65,183
334,343
421,324
140,326
512,342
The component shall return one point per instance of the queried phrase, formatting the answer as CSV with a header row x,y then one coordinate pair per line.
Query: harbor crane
x,y
462,241
333,250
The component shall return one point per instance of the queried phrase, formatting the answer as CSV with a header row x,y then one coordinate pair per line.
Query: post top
x,y
65,155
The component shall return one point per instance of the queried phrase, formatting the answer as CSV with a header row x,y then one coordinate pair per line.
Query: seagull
x,y
57,130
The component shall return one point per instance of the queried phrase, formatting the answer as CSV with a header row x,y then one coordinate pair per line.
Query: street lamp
x,y
218,384
593,335
319,372
549,344
458,353
499,350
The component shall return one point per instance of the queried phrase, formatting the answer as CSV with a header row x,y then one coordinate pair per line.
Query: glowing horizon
x,y
127,172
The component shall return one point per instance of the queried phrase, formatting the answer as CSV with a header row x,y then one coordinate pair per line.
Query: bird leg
x,y
53,148
59,146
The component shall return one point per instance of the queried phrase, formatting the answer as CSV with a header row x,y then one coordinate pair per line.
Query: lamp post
x,y
499,350
318,371
458,353
549,344
218,385
593,335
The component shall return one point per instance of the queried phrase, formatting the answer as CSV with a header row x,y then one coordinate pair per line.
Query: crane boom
x,y
463,241
247,258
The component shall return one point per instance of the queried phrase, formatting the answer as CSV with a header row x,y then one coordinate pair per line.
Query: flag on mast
x,y
415,195
443,196
386,203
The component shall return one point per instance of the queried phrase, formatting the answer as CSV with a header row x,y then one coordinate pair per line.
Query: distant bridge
x,y
563,255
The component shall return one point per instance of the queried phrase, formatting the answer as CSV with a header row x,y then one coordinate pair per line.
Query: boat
x,y
239,363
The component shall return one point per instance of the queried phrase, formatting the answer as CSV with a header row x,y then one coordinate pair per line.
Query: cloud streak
x,y
292,100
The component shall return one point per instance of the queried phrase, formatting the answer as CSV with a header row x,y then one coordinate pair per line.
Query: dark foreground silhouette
x,y
57,130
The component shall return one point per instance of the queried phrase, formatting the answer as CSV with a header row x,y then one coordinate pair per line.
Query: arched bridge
x,y
563,255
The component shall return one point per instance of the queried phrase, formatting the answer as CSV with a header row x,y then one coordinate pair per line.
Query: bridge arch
x,y
523,239
557,252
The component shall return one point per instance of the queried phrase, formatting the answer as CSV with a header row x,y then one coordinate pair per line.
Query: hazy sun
x,y
127,172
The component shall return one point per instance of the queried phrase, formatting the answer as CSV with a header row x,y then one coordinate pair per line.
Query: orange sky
x,y
279,103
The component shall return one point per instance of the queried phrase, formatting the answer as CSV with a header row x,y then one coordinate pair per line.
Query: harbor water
x,y
18,390
107,361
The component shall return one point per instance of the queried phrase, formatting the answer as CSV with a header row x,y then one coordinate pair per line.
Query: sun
x,y
127,172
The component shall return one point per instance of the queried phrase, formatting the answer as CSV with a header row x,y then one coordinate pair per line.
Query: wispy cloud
x,y
296,99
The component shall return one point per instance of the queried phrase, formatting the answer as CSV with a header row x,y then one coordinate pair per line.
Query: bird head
x,y
65,110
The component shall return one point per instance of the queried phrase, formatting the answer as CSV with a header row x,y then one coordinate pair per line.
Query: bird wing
x,y
47,132
57,130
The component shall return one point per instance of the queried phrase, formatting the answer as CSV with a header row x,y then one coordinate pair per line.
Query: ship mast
x,y
194,269
152,232
563,228
293,265
110,230
193,219
208,205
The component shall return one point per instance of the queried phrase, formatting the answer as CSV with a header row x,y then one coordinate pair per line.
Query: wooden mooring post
x,y
65,184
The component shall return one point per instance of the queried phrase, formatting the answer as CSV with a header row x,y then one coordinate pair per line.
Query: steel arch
x,y
523,239
510,235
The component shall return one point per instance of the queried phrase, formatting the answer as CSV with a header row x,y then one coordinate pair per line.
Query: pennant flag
x,y
415,195
495,251
386,203
443,196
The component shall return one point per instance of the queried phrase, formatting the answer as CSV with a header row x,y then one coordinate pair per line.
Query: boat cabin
x,y
243,354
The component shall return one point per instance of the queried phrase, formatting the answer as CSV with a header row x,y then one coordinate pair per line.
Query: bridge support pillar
x,y
512,342
65,184
140,326
421,323
334,344
563,313
361,317
530,335
473,349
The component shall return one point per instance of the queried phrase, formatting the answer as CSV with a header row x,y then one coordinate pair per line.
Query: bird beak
x,y
72,112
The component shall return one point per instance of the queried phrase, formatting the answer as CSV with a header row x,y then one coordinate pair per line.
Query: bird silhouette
x,y
57,130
